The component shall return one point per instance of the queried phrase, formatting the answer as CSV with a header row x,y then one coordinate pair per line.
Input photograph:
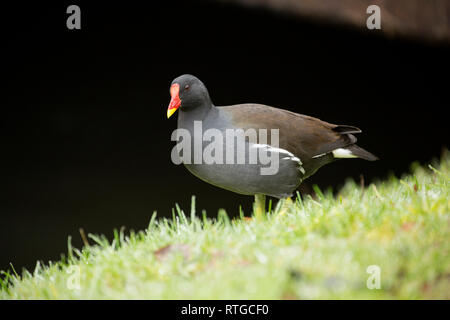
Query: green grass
x,y
320,248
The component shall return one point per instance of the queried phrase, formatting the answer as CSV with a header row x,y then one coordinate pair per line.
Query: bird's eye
x,y
186,87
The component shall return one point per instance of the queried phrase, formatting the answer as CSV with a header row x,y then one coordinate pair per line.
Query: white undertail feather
x,y
343,153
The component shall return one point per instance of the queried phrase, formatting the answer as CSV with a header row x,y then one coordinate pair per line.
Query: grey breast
x,y
241,164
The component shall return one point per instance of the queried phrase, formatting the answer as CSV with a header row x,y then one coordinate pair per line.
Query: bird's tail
x,y
361,153
353,151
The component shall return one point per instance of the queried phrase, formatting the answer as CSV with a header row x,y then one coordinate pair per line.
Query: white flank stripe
x,y
272,149
293,159
343,153
290,155
319,155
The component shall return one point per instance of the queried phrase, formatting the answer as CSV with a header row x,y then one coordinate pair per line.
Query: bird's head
x,y
187,92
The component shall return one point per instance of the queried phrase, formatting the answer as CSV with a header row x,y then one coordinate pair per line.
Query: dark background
x,y
84,137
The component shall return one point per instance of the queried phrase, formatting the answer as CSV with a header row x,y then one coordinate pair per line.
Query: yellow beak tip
x,y
170,112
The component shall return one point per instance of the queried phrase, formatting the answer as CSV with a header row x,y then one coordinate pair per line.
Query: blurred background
x,y
85,141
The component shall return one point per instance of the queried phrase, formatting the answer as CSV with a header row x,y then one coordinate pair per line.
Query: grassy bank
x,y
319,248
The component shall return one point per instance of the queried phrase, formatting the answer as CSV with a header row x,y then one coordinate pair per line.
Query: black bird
x,y
302,146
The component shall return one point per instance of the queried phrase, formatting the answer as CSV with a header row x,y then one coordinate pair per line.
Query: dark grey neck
x,y
187,116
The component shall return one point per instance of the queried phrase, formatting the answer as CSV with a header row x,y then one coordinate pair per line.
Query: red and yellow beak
x,y
175,101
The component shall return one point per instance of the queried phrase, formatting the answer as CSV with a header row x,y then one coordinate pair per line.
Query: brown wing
x,y
302,135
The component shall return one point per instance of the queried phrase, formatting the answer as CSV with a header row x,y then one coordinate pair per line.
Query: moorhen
x,y
299,144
